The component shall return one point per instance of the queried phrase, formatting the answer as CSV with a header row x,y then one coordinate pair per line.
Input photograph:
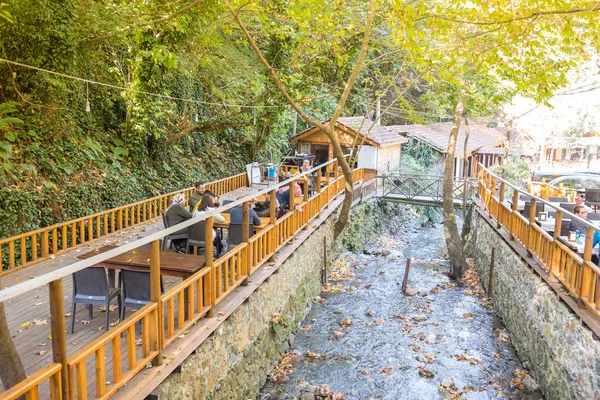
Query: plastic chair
x,y
224,203
135,286
168,240
196,236
592,197
567,206
558,199
234,236
564,228
90,286
539,207
593,216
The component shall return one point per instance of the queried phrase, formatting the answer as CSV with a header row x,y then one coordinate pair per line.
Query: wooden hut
x,y
381,149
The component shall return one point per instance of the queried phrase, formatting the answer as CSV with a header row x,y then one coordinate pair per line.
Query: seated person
x,y
283,198
208,204
196,197
297,189
263,208
581,211
235,215
176,214
305,166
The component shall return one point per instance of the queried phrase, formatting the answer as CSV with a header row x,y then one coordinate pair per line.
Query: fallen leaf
x,y
40,322
368,285
50,337
42,344
313,355
138,342
85,321
307,328
468,315
39,304
67,314
346,322
41,352
25,324
369,313
426,373
385,370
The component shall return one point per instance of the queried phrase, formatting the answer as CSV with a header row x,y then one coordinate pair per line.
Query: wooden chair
x,y
135,286
167,241
90,286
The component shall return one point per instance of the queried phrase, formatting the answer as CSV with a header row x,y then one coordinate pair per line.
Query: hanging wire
x,y
89,81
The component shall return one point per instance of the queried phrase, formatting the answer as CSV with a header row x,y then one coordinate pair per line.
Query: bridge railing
x,y
416,186
41,244
576,272
168,315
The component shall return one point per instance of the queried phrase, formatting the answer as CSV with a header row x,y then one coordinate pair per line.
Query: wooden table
x,y
225,225
579,246
171,264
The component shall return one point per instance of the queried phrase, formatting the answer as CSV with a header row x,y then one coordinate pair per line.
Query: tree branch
x,y
270,69
595,7
357,67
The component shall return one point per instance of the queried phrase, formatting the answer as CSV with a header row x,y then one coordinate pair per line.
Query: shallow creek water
x,y
366,340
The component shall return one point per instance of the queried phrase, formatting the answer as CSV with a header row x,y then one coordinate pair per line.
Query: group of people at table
x,y
203,201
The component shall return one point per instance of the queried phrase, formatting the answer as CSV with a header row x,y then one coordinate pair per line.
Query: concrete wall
x,y
388,158
561,353
235,361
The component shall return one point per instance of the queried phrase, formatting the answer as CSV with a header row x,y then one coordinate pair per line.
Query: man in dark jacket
x,y
235,215
196,197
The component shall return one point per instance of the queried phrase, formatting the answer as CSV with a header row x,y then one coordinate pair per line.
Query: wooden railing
x,y
30,387
128,348
41,244
577,273
546,191
139,353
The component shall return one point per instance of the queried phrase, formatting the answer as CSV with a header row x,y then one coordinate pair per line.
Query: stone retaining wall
x,y
560,352
235,361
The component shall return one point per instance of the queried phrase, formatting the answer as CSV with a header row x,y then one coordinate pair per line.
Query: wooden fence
x,y
577,273
41,244
168,315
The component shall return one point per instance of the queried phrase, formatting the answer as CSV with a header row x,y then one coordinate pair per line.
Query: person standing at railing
x,y
176,214
196,197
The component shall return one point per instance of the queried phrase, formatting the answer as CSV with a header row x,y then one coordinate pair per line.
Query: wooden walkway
x,y
29,315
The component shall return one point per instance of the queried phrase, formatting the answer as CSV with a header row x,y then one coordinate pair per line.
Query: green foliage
x,y
418,157
515,170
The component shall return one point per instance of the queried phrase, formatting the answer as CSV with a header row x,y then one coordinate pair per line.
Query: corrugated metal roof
x,y
436,135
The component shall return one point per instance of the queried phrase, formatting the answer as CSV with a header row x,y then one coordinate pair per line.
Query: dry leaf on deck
x,y
40,322
41,352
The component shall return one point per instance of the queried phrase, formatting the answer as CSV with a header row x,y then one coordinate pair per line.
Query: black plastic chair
x,y
196,236
135,286
224,203
558,199
592,197
234,236
567,206
564,227
167,241
539,207
90,286
593,216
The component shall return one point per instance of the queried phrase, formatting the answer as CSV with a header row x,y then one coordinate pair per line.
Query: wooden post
x,y
208,262
586,273
324,269
531,223
515,209
500,201
491,275
405,279
305,199
59,337
291,196
320,199
273,221
247,266
156,318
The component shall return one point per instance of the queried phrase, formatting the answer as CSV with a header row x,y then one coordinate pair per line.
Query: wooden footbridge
x,y
147,345
425,189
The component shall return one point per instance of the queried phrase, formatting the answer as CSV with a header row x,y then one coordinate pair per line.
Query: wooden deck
x,y
29,315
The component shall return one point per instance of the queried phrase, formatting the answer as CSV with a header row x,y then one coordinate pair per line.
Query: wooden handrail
x,y
576,273
193,298
29,386
85,229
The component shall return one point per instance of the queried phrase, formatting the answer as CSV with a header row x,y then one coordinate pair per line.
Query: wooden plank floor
x,y
29,315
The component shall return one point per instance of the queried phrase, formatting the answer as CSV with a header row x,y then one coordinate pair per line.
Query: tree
x,y
329,127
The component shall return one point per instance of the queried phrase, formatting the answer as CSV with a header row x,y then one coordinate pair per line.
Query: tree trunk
x,y
344,215
458,264
465,164
11,367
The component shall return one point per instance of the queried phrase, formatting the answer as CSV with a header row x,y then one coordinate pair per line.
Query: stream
x,y
364,339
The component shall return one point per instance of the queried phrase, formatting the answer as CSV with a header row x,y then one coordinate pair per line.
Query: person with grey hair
x,y
176,214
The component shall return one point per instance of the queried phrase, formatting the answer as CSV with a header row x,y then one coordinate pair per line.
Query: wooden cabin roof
x,y
378,136
436,136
